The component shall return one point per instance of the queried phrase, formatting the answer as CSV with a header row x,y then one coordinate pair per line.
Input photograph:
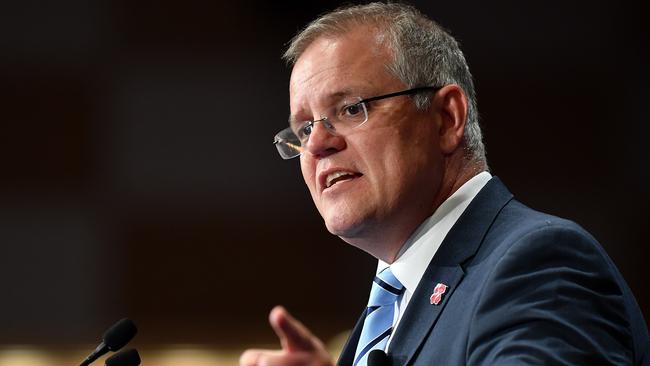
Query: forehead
x,y
335,66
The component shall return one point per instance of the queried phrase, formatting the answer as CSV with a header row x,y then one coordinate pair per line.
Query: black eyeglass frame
x,y
363,102
417,90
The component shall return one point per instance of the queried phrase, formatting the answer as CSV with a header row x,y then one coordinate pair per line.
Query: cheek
x,y
308,172
308,169
383,156
403,155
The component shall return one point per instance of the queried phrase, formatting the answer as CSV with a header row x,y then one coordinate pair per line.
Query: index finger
x,y
294,336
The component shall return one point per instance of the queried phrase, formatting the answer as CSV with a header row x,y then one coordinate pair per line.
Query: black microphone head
x,y
119,334
125,358
377,357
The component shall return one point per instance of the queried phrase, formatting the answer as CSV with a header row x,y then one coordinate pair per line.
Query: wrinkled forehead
x,y
355,43
338,66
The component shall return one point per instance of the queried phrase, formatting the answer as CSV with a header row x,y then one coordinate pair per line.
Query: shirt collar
x,y
416,253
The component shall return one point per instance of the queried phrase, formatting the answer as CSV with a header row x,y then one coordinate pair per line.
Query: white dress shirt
x,y
416,253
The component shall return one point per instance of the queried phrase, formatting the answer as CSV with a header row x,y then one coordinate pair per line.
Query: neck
x,y
384,241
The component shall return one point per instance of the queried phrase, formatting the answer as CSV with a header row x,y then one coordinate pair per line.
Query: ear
x,y
452,105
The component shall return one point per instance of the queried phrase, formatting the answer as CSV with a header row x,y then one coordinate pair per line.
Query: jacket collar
x,y
446,267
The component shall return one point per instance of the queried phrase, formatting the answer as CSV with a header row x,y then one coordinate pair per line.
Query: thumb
x,y
294,336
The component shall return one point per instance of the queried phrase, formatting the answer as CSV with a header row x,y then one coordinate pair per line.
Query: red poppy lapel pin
x,y
438,291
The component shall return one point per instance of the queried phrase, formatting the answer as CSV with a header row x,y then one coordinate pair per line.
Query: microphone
x,y
377,357
115,338
124,358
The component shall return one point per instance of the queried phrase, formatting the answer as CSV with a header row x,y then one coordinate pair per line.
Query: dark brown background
x,y
138,178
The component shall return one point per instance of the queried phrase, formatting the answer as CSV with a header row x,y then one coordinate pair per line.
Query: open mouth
x,y
338,177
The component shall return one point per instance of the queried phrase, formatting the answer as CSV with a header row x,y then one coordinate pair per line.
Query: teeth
x,y
333,176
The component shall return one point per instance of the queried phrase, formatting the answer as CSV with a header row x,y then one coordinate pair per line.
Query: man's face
x,y
391,166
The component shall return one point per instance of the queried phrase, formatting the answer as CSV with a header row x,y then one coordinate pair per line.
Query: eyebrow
x,y
338,95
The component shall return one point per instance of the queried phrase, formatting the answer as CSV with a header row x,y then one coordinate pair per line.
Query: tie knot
x,y
386,288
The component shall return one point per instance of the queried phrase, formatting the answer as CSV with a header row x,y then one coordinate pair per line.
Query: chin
x,y
368,245
337,228
353,232
347,219
342,227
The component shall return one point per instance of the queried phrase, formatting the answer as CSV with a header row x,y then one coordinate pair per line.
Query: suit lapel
x,y
347,355
421,314
446,267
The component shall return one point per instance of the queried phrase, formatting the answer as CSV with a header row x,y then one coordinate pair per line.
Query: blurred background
x,y
138,176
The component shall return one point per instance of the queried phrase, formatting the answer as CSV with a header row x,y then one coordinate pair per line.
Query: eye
x,y
305,130
352,110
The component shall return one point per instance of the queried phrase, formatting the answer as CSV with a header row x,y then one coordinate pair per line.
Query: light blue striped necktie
x,y
378,325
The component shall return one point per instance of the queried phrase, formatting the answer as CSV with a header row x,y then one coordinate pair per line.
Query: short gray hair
x,y
424,53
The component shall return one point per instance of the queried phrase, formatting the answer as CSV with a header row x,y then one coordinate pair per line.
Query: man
x,y
384,120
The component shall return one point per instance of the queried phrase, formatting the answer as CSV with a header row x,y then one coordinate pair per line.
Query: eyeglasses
x,y
341,119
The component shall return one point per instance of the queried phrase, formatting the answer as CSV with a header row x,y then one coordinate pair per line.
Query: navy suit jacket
x,y
524,288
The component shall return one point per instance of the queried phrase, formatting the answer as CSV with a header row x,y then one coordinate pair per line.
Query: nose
x,y
323,141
